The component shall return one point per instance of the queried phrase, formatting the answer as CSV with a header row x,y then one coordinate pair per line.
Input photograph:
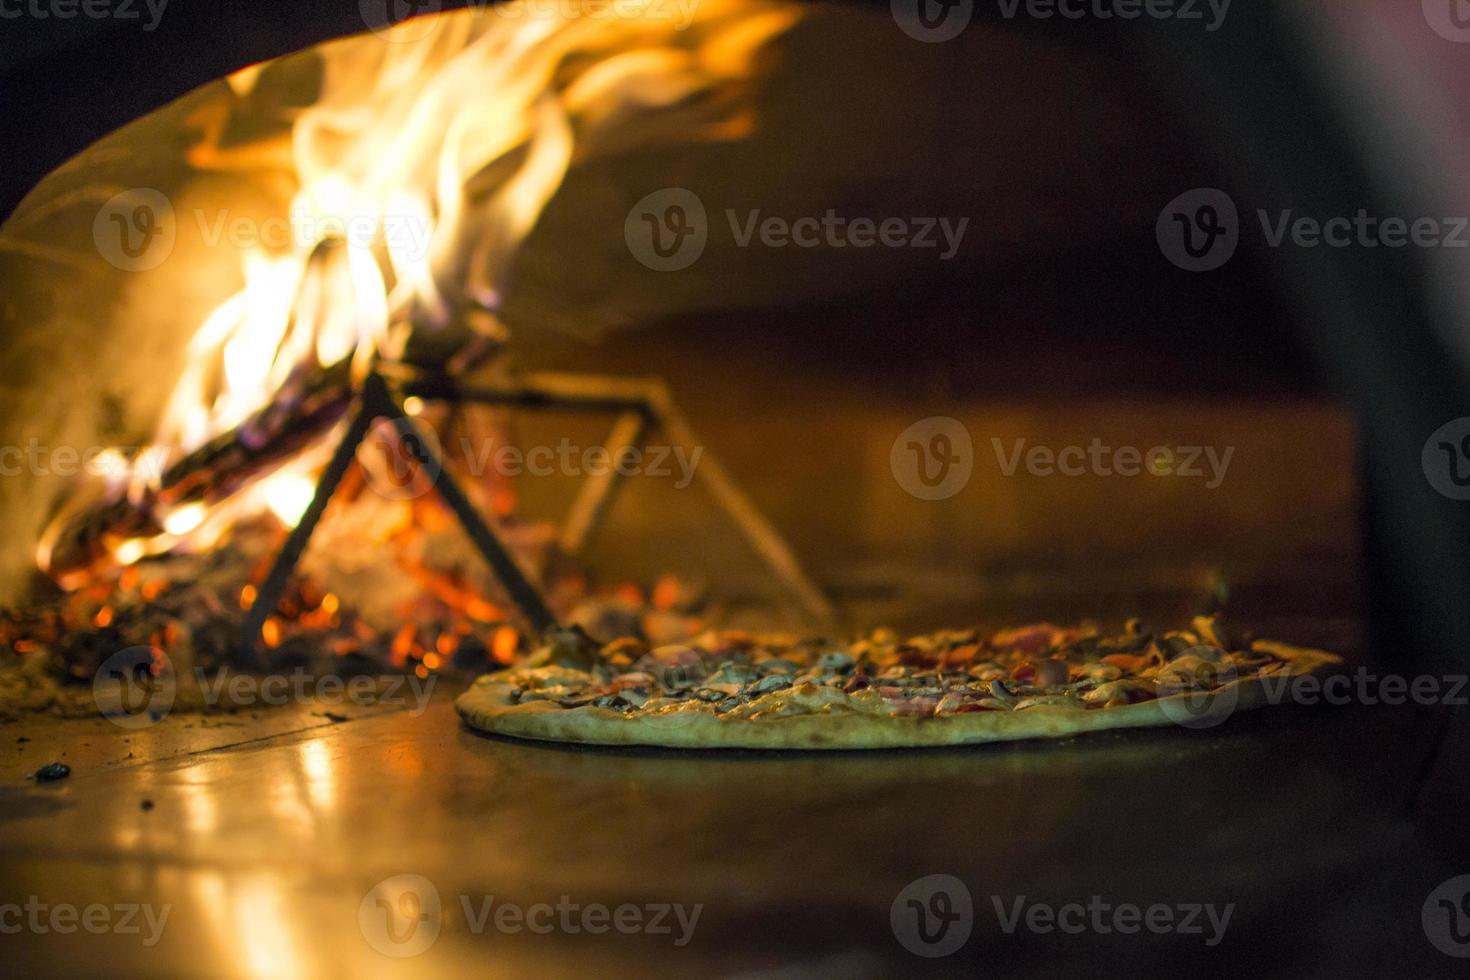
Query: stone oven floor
x,y
266,832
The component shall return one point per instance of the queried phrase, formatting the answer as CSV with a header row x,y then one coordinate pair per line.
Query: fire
x,y
185,519
422,166
130,551
288,495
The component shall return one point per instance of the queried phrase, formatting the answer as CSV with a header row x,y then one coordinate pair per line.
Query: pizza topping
x,y
1212,631
771,682
917,707
778,665
635,697
1034,639
739,676
1099,673
956,702
640,679
731,672
1115,693
1050,672
1125,661
1194,670
1003,694
835,662
1049,701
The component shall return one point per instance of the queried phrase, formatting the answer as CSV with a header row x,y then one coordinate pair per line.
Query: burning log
x,y
309,403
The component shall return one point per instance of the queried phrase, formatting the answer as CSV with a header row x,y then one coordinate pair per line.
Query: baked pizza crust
x,y
487,706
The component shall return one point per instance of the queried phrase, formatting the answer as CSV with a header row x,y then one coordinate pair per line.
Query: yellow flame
x,y
130,551
288,495
424,163
185,519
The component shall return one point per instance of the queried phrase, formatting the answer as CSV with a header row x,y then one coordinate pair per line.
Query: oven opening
x,y
804,367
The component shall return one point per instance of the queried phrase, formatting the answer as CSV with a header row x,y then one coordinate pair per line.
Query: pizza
x,y
729,689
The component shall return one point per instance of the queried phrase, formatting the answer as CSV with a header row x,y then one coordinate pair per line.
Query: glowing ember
x,y
503,647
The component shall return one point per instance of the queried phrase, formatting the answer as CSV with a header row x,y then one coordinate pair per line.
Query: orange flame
x,y
425,162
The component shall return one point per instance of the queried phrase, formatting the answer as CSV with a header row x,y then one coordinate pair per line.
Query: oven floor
x,y
266,832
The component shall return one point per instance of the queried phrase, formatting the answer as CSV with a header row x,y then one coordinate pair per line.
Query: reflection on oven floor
x,y
267,833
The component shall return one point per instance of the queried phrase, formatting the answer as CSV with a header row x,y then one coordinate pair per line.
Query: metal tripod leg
x,y
649,399
376,402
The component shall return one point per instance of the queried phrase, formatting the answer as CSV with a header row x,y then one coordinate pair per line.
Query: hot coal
x,y
187,610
